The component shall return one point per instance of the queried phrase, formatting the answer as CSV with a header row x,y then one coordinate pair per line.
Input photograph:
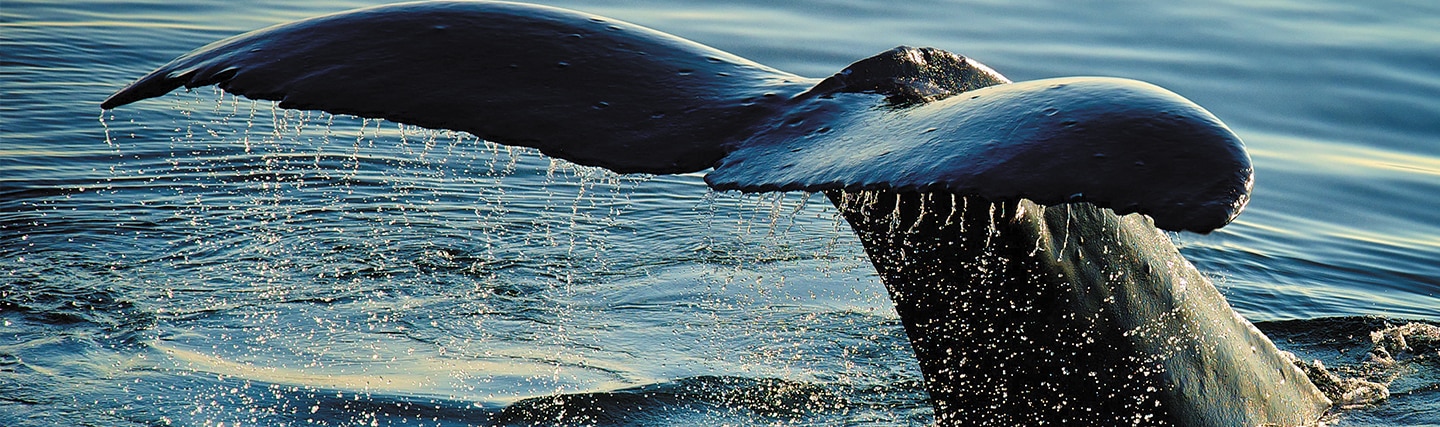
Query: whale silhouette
x,y
998,214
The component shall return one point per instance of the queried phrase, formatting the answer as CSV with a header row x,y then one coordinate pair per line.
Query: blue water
x,y
203,260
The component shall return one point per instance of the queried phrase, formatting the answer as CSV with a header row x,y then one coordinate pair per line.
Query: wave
x,y
1377,370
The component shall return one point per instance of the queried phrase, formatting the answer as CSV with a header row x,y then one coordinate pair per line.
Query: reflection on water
x,y
220,261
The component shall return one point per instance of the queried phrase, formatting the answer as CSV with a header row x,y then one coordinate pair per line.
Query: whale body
x,y
1004,218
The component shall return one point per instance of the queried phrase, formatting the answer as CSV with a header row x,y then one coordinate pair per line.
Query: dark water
x,y
202,260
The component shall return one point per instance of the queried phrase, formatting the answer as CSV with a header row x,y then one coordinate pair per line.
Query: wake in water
x,y
1377,371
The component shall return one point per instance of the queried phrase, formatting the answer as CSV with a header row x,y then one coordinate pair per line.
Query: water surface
x,y
198,259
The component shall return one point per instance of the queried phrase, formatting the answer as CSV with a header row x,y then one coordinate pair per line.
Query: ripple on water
x,y
217,258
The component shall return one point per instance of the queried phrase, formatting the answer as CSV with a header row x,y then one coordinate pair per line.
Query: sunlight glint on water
x,y
310,170
219,261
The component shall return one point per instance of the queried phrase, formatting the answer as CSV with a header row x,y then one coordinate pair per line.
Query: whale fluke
x,y
600,92
957,181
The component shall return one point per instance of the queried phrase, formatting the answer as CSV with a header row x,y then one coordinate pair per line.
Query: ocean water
x,y
205,260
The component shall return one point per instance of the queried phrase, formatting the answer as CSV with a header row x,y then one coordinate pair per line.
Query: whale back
x,y
592,90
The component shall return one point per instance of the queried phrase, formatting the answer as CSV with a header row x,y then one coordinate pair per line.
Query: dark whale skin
x,y
1068,315
601,92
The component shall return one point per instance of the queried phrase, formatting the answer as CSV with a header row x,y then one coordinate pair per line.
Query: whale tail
x,y
605,93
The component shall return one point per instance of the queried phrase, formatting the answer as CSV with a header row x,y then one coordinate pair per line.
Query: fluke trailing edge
x,y
1024,305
